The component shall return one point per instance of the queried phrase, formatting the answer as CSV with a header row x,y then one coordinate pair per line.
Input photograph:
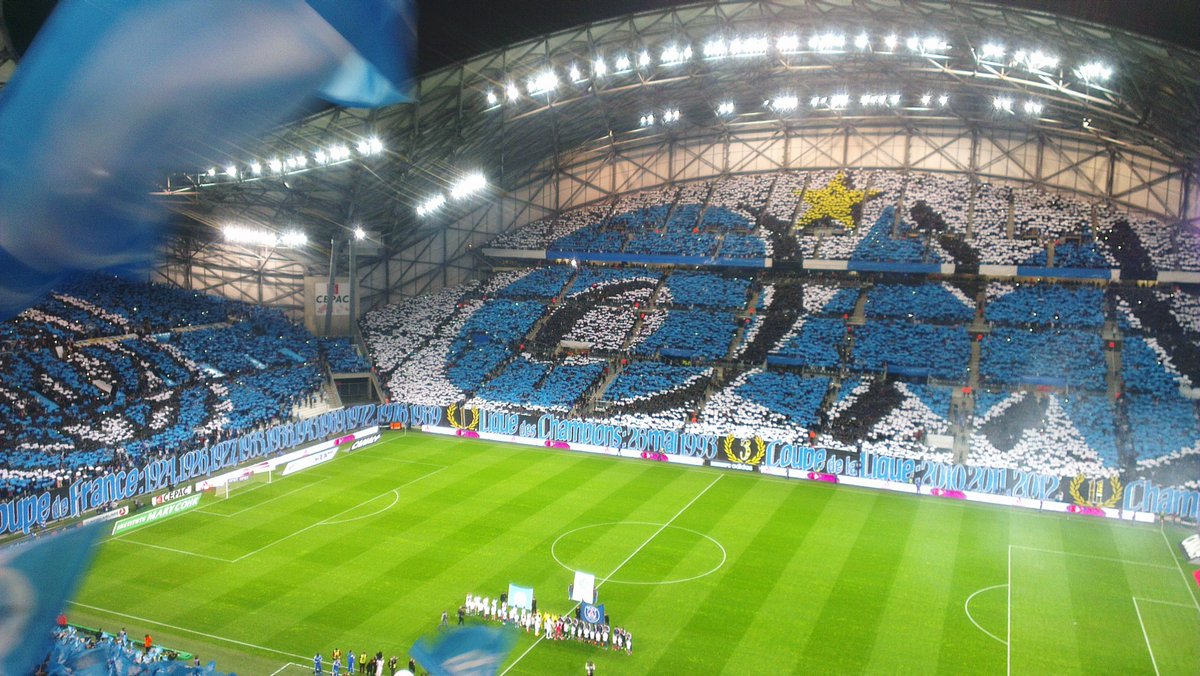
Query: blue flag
x,y
36,579
115,95
592,614
470,651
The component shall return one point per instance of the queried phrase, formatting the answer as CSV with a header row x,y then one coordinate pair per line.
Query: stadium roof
x,y
794,66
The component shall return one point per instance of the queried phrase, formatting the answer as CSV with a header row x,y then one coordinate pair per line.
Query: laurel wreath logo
x,y
458,420
750,453
1113,500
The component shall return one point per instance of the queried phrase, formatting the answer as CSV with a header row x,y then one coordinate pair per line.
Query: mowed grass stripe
x,y
762,530
923,580
802,558
980,560
845,634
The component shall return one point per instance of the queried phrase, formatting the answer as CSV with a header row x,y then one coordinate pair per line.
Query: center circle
x,y
636,537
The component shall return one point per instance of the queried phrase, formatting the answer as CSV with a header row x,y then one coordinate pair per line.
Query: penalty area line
x,y
164,625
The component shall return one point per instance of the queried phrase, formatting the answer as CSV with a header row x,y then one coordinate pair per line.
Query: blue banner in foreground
x,y
36,579
471,651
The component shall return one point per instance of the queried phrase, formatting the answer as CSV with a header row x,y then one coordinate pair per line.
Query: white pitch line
x,y
186,630
660,529
172,549
621,565
1166,603
967,610
324,522
1008,622
1186,582
260,504
1092,556
1145,635
284,668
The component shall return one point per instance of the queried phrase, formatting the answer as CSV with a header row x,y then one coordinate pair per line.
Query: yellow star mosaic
x,y
835,201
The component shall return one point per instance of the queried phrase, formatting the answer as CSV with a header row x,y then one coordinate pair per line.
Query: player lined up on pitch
x,y
375,666
554,627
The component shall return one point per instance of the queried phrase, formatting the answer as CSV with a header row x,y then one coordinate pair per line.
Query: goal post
x,y
247,482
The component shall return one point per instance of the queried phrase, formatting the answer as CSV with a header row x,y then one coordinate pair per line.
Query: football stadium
x,y
767,337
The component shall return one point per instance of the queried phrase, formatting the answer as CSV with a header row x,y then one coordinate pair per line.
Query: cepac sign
x,y
339,299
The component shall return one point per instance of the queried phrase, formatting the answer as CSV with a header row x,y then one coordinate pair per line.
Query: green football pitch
x,y
712,571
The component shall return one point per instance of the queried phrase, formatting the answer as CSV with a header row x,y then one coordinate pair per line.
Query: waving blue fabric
x,y
115,94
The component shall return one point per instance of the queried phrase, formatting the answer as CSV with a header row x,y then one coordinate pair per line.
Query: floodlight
x,y
491,98
375,145
715,49
255,168
276,165
913,43
992,51
725,108
890,42
622,63
599,68
300,161
643,59
293,238
231,171
1003,103
839,101
827,42
359,233
862,41
787,43
468,185
1095,71
1032,108
511,92
431,205
785,103
321,157
212,171
574,73
543,82
893,99
926,99
943,100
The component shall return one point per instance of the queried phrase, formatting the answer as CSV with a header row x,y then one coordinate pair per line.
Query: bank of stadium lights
x,y
827,42
787,44
1002,104
927,46
1035,61
673,54
623,64
1032,108
599,68
754,45
862,41
460,189
783,104
890,42
359,233
927,100
1095,71
726,108
431,205
511,92
574,74
236,234
646,120
542,83
891,100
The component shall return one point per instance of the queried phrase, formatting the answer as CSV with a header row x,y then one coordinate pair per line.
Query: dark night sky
x,y
453,30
